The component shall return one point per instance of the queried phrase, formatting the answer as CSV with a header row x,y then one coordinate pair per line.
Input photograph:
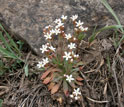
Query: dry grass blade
x,y
96,101
116,81
5,88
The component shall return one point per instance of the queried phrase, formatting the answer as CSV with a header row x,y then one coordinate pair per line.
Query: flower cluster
x,y
63,54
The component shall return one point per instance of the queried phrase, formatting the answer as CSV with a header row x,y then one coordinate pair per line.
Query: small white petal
x,y
52,48
72,96
76,98
71,60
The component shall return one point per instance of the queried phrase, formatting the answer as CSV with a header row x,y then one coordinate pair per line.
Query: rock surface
x,y
27,18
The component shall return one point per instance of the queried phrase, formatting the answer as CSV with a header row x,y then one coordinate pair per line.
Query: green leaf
x,y
11,40
26,70
81,36
7,53
93,36
108,63
65,87
105,3
1,101
5,42
54,61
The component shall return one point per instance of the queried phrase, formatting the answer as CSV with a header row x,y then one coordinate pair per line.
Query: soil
x,y
102,86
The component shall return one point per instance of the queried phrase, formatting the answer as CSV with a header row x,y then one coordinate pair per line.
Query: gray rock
x,y
27,18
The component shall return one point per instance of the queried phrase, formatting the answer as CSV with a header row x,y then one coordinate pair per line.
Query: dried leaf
x,y
55,88
46,73
65,88
79,83
47,80
51,85
79,78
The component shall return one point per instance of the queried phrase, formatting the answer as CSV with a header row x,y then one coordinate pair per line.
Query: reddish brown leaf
x,y
79,83
51,85
49,71
79,78
65,88
55,88
47,80
46,73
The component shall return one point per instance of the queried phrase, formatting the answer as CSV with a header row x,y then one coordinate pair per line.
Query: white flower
x,y
68,36
57,20
72,45
72,96
77,92
40,64
79,23
74,17
45,61
57,31
44,48
48,36
64,17
59,24
67,55
52,31
69,78
52,48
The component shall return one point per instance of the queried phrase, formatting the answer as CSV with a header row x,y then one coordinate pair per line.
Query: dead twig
x,y
115,77
6,90
96,101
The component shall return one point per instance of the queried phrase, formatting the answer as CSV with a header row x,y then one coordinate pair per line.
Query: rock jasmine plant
x,y
61,59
